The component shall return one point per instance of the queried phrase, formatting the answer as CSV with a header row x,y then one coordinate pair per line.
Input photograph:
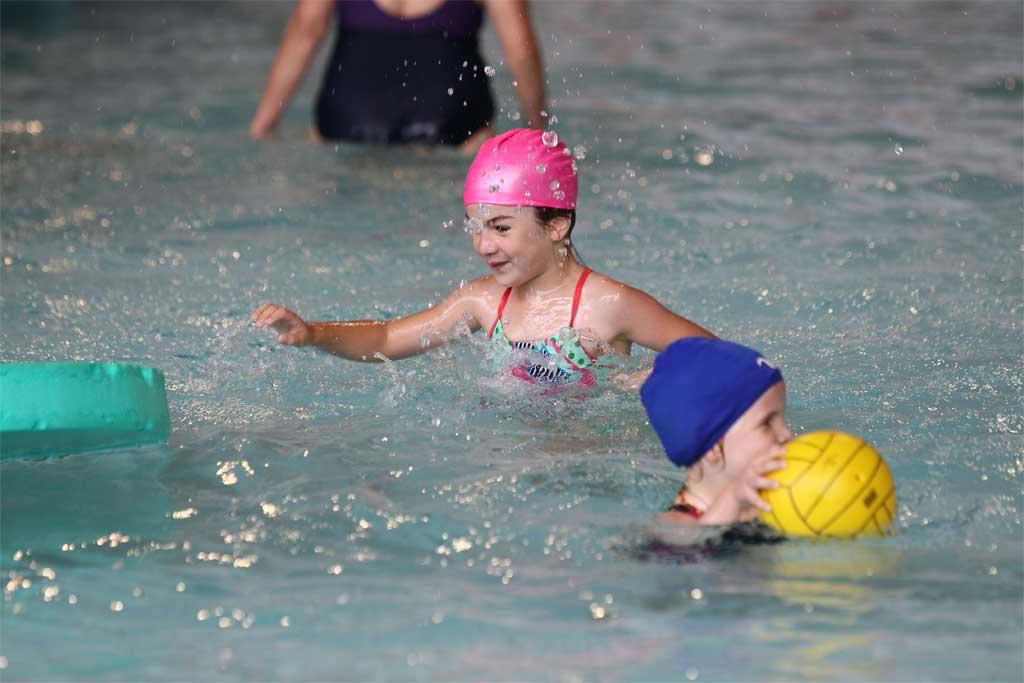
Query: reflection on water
x,y
835,586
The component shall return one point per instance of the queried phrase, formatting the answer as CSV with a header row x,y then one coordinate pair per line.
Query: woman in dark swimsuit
x,y
403,70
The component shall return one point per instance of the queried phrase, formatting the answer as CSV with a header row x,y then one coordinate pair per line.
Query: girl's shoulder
x,y
481,295
483,286
611,291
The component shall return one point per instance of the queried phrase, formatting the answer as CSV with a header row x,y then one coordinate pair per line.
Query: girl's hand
x,y
294,331
631,381
742,501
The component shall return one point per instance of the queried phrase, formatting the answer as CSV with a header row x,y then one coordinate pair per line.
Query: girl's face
x,y
511,242
762,430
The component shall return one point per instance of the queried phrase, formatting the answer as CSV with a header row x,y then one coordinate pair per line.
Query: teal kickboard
x,y
59,408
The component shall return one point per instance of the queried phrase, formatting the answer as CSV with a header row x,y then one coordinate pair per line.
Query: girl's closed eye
x,y
502,229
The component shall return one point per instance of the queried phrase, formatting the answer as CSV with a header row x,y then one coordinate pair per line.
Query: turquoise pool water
x,y
837,184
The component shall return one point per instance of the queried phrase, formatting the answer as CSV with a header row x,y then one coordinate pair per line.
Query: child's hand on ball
x,y
742,501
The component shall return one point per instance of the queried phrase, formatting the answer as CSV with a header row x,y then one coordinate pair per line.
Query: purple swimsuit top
x,y
460,18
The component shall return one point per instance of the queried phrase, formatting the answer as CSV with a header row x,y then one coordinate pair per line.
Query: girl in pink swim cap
x,y
539,300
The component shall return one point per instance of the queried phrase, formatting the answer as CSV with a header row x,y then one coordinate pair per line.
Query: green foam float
x,y
59,408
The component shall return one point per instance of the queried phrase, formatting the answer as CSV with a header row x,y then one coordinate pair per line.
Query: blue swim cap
x,y
698,389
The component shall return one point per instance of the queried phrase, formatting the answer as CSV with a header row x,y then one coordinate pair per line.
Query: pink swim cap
x,y
523,167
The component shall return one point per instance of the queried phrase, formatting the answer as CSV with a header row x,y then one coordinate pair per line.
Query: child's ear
x,y
716,454
558,228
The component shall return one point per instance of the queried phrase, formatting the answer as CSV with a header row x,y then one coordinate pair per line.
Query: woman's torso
x,y
461,19
394,80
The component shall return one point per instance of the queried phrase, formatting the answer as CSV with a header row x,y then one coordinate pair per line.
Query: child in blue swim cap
x,y
719,410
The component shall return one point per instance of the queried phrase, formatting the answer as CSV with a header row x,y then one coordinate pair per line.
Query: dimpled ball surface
x,y
834,484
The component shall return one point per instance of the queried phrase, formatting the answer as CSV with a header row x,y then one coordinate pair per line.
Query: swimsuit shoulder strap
x,y
501,309
682,506
576,295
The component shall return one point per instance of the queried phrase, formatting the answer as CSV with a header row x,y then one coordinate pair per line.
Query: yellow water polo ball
x,y
834,484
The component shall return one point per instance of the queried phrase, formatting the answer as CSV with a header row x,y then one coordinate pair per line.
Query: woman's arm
x,y
362,340
306,28
522,54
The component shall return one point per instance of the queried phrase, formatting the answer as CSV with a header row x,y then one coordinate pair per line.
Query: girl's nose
x,y
483,244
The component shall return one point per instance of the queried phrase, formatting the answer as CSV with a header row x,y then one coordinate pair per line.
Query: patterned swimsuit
x,y
564,353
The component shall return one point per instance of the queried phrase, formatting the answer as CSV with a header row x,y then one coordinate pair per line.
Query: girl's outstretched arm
x,y
362,340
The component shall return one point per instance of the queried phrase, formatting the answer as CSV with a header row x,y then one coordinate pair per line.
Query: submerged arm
x,y
644,321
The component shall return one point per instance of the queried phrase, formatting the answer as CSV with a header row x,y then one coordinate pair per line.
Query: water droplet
x,y
451,91
559,195
899,150
553,120
447,224
704,157
549,138
542,168
580,152
493,188
553,185
489,70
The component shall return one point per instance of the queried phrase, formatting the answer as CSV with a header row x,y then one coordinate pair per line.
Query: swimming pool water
x,y
836,184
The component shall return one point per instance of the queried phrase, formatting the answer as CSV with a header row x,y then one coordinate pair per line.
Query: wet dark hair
x,y
546,214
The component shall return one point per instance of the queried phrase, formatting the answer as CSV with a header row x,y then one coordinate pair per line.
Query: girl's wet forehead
x,y
478,215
